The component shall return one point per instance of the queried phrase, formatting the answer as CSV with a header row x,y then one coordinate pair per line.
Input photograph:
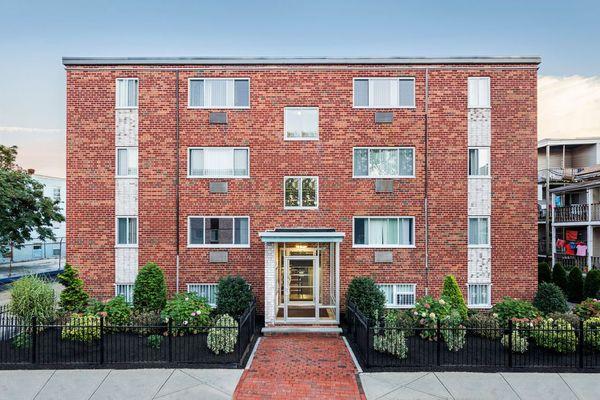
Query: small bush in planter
x,y
557,335
519,343
73,298
22,340
452,292
190,313
575,286
223,336
234,295
510,308
591,329
453,332
150,289
366,296
485,325
32,297
544,272
549,298
591,286
388,340
559,277
83,328
154,341
118,313
428,311
588,308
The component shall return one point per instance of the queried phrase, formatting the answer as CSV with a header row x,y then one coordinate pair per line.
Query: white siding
x,y
126,193
126,127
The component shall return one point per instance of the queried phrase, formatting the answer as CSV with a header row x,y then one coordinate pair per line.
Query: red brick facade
x,y
91,170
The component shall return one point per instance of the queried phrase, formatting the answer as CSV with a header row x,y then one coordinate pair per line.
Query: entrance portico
x,y
302,276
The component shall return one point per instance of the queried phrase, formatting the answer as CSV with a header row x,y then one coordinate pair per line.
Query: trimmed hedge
x,y
234,295
150,289
452,292
544,272
575,286
73,298
549,298
367,297
559,277
591,286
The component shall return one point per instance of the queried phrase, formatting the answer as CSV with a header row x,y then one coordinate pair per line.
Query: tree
x,y
453,293
544,273
73,298
150,289
24,210
575,286
559,277
550,298
591,287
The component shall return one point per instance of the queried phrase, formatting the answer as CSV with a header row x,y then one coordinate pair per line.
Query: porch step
x,y
327,330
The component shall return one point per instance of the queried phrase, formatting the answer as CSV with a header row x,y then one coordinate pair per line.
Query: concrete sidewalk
x,y
132,384
479,386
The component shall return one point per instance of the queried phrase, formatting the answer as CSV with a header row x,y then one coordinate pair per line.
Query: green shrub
x,y
557,335
428,311
571,318
485,325
559,277
32,297
519,343
591,329
118,313
95,307
234,295
388,340
83,328
73,298
452,292
154,341
402,319
150,289
510,308
549,298
591,286
366,296
22,340
453,332
544,273
575,286
223,336
588,308
190,313
147,322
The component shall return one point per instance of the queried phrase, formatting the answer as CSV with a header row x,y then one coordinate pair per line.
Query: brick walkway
x,y
300,366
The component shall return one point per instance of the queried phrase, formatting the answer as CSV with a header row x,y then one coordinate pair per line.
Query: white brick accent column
x,y
270,283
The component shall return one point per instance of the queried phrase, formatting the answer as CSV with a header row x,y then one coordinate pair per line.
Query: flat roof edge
x,y
296,60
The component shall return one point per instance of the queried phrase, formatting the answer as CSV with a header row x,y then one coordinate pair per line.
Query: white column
x,y
590,245
270,283
337,282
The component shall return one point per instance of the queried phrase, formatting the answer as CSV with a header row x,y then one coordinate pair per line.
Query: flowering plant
x,y
427,312
189,313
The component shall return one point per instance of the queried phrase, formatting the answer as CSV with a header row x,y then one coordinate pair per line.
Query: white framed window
x,y
127,231
384,162
399,295
384,92
479,161
206,290
218,231
478,92
56,194
479,231
383,232
218,162
301,192
125,290
479,295
127,161
127,93
301,123
219,93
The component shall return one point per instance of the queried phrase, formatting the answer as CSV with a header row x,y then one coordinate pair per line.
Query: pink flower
x,y
427,306
194,314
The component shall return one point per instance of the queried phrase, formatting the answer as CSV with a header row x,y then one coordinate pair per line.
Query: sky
x,y
35,35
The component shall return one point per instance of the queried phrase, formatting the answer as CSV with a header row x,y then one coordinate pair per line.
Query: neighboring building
x,y
300,174
561,162
36,249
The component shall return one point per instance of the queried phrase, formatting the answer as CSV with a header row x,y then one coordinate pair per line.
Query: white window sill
x,y
479,246
300,139
478,107
126,176
218,177
385,107
480,307
400,307
218,108
480,176
126,108
126,246
218,246
300,208
398,246
385,177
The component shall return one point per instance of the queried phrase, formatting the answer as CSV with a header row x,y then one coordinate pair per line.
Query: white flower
x,y
185,322
432,315
423,314
495,315
416,313
187,298
442,302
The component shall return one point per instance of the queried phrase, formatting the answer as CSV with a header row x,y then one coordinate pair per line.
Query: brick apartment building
x,y
300,174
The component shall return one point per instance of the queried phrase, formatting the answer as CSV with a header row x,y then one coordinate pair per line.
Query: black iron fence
x,y
97,343
535,347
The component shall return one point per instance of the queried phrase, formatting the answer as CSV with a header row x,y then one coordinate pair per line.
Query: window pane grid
x,y
384,162
218,231
384,92
301,192
127,93
127,230
206,290
399,295
479,231
218,162
479,294
125,290
382,232
219,93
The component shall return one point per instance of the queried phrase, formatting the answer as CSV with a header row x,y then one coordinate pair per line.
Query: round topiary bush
x,y
544,272
559,277
234,295
366,296
150,289
549,298
575,286
32,297
591,286
452,293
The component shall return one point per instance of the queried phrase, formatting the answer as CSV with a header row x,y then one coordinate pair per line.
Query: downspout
x,y
177,181
426,200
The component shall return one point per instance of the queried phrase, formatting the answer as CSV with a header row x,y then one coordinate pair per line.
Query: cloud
x,y
568,107
42,149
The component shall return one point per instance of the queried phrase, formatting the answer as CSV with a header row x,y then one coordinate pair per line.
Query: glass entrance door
x,y
301,287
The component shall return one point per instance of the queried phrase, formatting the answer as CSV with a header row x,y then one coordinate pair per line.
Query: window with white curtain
x,y
127,93
206,290
301,123
384,92
479,231
301,192
479,295
479,161
383,232
218,93
384,162
218,162
478,92
218,231
399,295
127,161
125,290
127,231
